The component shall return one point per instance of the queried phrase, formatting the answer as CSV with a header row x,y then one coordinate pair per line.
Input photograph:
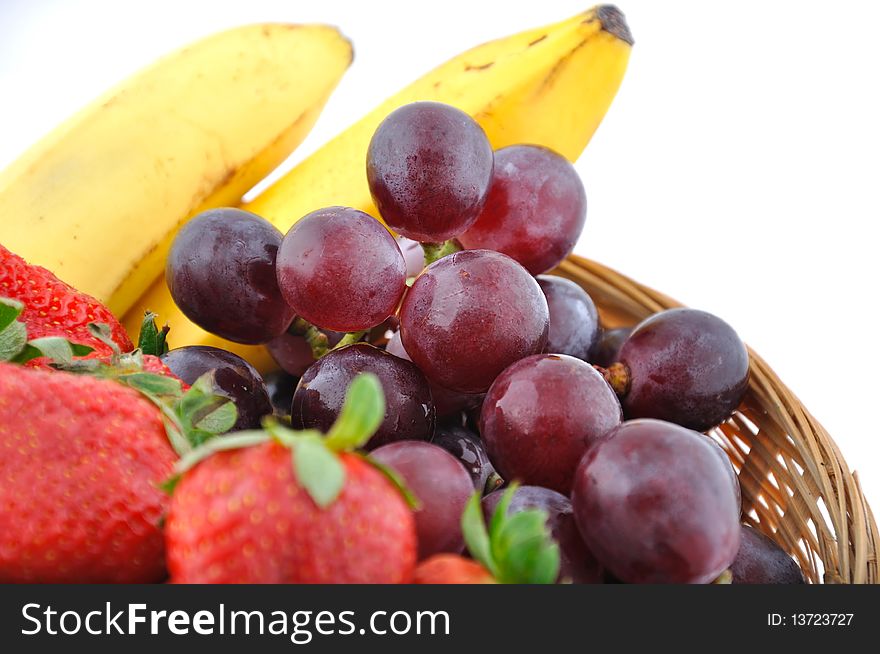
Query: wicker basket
x,y
796,486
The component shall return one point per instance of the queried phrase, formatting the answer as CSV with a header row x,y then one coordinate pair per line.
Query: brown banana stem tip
x,y
614,22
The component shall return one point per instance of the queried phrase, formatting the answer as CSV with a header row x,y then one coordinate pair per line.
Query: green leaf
x,y
219,419
13,341
361,415
499,517
524,551
151,383
391,474
151,339
103,333
318,470
473,526
10,310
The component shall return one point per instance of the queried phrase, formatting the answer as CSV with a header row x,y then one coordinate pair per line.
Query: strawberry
x,y
516,549
53,308
80,460
292,507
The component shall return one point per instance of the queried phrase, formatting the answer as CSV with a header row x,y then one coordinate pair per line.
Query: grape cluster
x,y
493,371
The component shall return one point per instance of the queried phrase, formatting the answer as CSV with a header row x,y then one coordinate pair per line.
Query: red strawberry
x,y
242,517
260,514
451,569
80,461
53,308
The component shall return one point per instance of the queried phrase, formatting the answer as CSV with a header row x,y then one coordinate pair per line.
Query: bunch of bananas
x,y
99,200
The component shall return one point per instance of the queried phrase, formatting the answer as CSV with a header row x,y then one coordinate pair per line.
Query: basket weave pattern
x,y
796,485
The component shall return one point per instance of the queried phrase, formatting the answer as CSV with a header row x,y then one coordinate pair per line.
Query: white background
x,y
738,170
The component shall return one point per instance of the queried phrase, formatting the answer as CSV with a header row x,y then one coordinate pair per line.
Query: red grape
x,y
442,486
469,316
685,366
340,269
429,167
762,561
280,387
234,378
574,320
409,410
654,503
294,354
465,446
221,274
446,402
541,415
607,345
535,211
576,562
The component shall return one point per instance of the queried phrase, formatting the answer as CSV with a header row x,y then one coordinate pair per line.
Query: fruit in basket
x,y
607,345
281,506
576,563
549,86
469,316
684,366
540,416
221,273
339,269
442,487
81,461
574,320
195,130
409,410
535,210
231,376
654,503
429,167
54,308
762,561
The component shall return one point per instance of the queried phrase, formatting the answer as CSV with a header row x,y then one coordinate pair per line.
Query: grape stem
x,y
435,251
617,375
350,339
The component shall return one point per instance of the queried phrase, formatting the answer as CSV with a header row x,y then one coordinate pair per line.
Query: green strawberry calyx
x,y
314,456
15,346
152,339
515,549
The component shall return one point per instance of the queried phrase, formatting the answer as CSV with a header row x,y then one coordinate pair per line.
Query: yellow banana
x,y
98,200
550,86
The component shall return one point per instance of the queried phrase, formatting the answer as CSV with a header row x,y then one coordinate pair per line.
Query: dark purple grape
x,y
409,409
606,345
446,402
465,446
761,561
280,387
413,255
654,503
535,211
576,562
221,273
574,321
541,415
294,354
340,269
469,316
442,486
234,378
684,366
429,167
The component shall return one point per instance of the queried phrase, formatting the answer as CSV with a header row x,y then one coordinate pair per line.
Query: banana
x,y
98,200
550,86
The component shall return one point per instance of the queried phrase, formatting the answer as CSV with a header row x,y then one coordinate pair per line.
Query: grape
x,y
221,274
535,211
607,345
280,387
294,354
465,446
234,378
684,366
429,167
576,561
469,316
409,410
541,415
762,561
340,269
446,402
731,471
442,486
413,255
654,503
574,321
